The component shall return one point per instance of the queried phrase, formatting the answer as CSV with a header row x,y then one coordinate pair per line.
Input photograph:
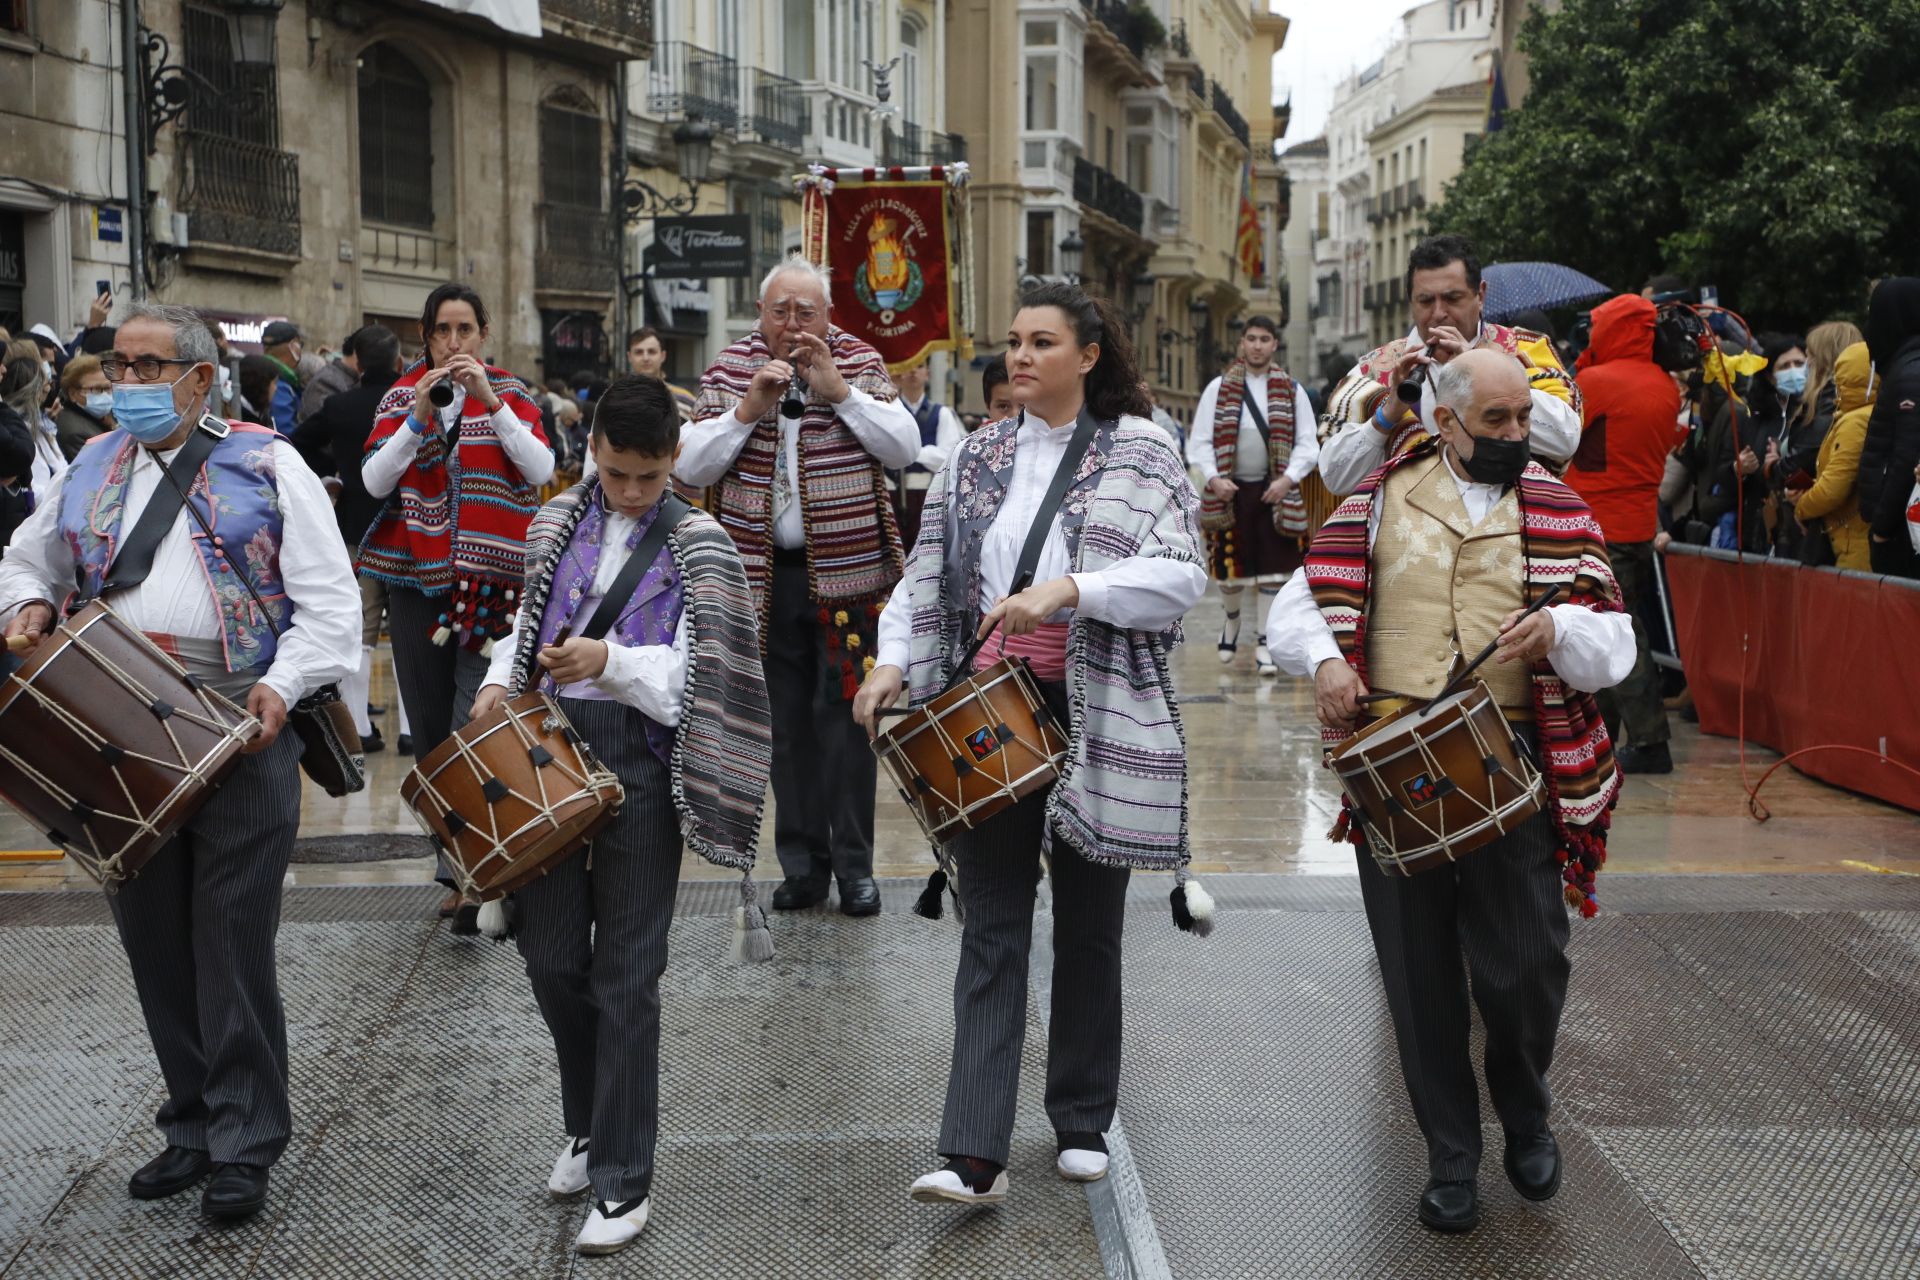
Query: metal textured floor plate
x,y
1738,1081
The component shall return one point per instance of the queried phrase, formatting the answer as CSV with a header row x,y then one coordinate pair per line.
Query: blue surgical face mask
x,y
145,410
99,403
1791,382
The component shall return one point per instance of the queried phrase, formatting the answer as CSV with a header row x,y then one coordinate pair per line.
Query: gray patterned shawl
x,y
723,749
1122,797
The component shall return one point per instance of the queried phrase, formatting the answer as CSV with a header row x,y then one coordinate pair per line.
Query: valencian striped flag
x,y
1248,249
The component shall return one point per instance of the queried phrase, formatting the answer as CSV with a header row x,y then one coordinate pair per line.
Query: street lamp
x,y
250,26
693,141
1072,249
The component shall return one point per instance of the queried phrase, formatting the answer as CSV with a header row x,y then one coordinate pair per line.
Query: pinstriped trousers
x,y
1495,921
437,682
594,939
198,926
999,867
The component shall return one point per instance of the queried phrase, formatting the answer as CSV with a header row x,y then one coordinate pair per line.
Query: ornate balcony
x,y
778,111
579,250
239,194
1222,103
686,80
1105,194
620,27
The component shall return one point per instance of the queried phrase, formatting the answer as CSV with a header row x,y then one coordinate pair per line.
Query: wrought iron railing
x,y
405,250
684,79
902,145
778,114
579,250
1104,193
944,148
1223,107
626,23
239,193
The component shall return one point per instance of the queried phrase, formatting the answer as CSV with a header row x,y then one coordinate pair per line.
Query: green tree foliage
x,y
1770,147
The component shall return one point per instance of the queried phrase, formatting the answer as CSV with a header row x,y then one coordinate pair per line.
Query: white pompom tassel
x,y
493,918
1193,908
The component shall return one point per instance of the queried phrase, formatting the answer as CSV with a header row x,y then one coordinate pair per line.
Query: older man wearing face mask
x,y
1435,555
1367,422
795,426
198,922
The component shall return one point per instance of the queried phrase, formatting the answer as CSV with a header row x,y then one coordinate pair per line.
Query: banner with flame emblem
x,y
897,246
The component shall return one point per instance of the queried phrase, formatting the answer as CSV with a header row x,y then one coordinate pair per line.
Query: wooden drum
x,y
1437,780
979,748
108,746
510,794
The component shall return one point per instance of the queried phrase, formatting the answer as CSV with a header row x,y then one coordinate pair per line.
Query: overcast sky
x,y
1328,39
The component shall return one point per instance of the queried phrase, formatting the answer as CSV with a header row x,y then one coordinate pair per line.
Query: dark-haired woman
x,y
459,482
1119,564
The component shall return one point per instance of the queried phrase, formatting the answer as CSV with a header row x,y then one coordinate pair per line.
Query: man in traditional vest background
x,y
1367,422
1252,444
1437,553
939,433
805,500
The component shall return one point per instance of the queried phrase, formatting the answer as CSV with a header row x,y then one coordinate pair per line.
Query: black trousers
x,y
1636,702
593,933
1494,924
198,924
823,767
998,867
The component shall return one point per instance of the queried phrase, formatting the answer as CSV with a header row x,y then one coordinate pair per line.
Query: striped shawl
x,y
853,540
1216,512
723,749
1122,796
1561,546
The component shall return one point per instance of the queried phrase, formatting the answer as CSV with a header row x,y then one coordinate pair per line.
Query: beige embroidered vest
x,y
1441,586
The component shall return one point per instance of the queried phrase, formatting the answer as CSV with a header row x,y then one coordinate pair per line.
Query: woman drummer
x,y
1118,563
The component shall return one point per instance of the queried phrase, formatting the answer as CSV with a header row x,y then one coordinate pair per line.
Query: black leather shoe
x,y
1533,1165
1649,759
797,893
405,745
1450,1206
236,1191
860,897
169,1173
372,743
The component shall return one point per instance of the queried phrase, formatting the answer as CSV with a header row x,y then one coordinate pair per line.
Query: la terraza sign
x,y
706,247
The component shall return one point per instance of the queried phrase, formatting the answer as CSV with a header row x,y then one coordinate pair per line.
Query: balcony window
x,y
1039,243
245,103
396,146
1042,35
572,160
797,27
236,186
1043,94
913,96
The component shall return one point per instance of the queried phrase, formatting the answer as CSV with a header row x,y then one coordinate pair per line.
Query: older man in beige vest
x,y
1454,539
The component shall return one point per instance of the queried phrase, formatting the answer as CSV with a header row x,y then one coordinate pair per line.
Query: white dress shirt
x,y
883,427
381,473
1250,452
947,434
48,461
650,678
1356,448
1591,651
1146,593
321,645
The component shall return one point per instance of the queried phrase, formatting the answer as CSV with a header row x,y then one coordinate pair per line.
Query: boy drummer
x,y
673,700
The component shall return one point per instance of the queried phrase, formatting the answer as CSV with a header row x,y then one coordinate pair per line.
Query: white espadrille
x,y
948,1186
1076,1165
1263,660
569,1170
609,1229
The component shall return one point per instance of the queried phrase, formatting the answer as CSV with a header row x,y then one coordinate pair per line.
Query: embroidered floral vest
x,y
649,618
236,493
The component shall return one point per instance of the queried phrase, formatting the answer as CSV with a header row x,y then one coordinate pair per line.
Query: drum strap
x,y
673,508
134,560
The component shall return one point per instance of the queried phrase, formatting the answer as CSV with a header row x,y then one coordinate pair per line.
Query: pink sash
x,y
1045,650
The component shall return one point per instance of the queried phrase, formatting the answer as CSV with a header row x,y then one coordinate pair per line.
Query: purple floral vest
x,y
243,512
649,618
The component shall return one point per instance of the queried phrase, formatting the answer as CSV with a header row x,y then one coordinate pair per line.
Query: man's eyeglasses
x,y
806,315
145,368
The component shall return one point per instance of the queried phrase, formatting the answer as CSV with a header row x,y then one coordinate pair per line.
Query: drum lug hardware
x,y
550,724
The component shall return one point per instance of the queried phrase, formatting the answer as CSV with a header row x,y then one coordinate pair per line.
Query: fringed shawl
x,y
1122,796
1291,517
1561,546
723,748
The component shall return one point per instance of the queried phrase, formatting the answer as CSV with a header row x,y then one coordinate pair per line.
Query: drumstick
x,y
1494,643
966,659
19,644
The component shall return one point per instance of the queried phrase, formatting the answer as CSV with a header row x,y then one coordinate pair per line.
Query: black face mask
x,y
1497,461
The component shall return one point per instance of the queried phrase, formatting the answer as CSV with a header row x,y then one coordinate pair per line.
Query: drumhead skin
x,y
108,746
1431,783
975,750
510,794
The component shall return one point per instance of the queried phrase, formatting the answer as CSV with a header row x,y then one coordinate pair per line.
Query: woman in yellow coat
x,y
1832,499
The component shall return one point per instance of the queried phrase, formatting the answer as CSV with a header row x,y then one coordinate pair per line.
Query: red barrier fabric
x,y
1829,659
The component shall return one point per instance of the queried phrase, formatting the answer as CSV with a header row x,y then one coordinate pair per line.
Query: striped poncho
x,y
723,748
1561,546
1122,795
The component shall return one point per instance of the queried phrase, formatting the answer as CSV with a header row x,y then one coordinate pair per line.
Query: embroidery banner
x,y
896,248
